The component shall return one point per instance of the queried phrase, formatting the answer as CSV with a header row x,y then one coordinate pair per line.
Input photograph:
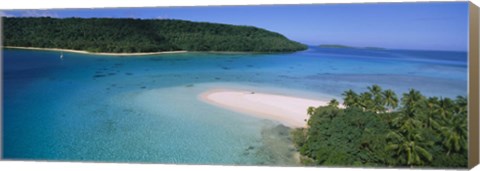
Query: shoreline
x,y
288,110
139,53
94,53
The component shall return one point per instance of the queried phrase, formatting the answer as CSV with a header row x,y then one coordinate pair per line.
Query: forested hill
x,y
138,35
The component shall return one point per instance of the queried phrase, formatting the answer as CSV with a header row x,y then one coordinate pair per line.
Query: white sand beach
x,y
95,53
290,111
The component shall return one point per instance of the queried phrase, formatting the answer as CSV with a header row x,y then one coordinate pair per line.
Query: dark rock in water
x,y
189,85
143,87
111,73
99,75
275,148
128,73
225,68
180,59
282,128
217,78
287,77
250,148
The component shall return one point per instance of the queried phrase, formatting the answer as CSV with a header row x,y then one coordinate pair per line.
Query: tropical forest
x,y
126,35
378,128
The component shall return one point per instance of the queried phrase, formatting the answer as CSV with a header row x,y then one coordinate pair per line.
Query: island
x,y
335,46
349,47
125,35
375,48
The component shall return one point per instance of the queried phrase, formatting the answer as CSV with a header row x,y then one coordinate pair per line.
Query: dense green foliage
x,y
375,130
135,35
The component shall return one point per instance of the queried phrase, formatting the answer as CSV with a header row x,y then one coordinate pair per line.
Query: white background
x,y
73,166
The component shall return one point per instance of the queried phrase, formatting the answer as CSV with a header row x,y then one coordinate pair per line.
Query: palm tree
x,y
406,123
378,98
412,108
455,133
350,99
311,110
366,102
410,149
461,104
375,89
446,107
391,100
413,101
333,103
430,116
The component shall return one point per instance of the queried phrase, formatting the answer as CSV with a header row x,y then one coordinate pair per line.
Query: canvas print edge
x,y
473,87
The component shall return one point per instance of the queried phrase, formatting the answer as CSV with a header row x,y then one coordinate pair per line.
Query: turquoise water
x,y
146,109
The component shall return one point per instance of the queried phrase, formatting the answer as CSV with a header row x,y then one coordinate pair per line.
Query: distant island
x,y
374,48
348,47
334,46
108,35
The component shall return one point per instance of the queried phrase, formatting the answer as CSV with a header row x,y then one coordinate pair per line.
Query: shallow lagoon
x,y
146,109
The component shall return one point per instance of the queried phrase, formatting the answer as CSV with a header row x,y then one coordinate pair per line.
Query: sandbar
x,y
289,111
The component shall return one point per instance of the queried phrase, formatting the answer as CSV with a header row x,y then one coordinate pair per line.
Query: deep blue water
x,y
146,109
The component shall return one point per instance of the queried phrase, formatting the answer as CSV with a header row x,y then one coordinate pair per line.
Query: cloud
x,y
38,13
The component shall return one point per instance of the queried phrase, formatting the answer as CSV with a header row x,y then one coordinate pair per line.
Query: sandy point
x,y
96,53
288,110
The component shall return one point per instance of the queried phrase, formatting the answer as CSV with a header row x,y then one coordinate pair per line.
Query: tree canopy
x,y
375,130
141,35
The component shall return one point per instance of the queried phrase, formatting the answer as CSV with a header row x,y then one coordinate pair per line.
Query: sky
x,y
421,26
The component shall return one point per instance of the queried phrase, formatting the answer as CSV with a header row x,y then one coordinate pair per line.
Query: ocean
x,y
146,109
